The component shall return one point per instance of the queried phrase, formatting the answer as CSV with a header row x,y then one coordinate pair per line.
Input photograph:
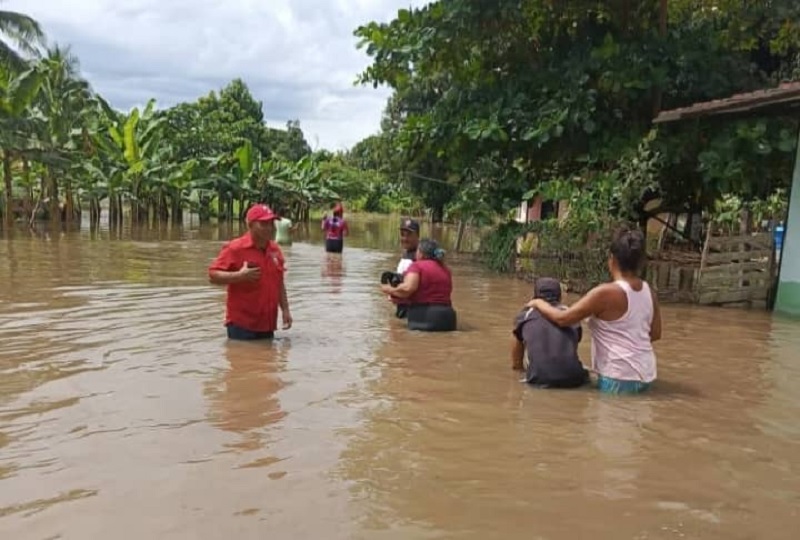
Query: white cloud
x,y
297,56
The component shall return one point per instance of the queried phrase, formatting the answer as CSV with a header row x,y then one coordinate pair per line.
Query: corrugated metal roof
x,y
787,94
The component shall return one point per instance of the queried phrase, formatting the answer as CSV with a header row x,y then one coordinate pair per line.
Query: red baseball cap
x,y
260,212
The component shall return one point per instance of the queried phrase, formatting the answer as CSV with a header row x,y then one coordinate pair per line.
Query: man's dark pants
x,y
242,334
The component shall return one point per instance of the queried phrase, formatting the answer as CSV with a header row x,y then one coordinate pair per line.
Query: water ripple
x,y
120,395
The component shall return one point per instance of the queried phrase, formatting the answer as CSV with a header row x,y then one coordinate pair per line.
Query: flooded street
x,y
126,414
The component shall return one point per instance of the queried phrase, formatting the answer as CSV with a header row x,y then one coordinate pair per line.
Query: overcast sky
x,y
297,56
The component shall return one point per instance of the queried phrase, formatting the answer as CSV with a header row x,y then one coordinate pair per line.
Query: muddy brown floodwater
x,y
125,414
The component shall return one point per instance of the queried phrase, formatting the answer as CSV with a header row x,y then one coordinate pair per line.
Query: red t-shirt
x,y
435,283
252,305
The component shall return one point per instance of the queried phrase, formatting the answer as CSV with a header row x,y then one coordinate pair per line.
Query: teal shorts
x,y
607,385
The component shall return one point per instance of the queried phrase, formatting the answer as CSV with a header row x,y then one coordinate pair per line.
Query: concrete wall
x,y
788,297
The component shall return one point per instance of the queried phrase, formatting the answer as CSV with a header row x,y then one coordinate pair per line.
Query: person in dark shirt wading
x,y
552,351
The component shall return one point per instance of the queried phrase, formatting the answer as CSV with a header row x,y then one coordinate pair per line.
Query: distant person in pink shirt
x,y
335,230
624,317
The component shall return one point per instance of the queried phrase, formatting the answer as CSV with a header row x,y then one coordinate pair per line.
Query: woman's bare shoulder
x,y
608,292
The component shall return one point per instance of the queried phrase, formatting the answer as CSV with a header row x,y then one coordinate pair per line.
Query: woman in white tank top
x,y
624,318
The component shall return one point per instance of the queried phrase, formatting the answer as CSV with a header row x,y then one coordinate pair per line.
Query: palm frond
x,y
23,32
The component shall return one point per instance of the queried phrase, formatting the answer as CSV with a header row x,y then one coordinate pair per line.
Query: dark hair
x,y
430,249
628,249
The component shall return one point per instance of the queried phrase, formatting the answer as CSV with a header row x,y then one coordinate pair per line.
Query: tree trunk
x,y
220,205
94,212
115,210
26,178
112,210
69,202
460,236
135,203
176,209
8,212
54,207
204,209
164,212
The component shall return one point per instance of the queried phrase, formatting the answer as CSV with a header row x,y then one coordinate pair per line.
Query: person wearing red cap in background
x,y
335,230
252,267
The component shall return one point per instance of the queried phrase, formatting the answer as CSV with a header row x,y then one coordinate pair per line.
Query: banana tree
x,y
247,171
304,185
65,102
205,183
17,95
168,185
94,188
181,187
24,33
132,142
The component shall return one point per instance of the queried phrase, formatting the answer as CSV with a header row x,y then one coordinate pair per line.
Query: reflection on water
x,y
125,413
243,399
334,271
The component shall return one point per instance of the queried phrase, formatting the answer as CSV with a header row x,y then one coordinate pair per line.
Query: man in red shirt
x,y
252,267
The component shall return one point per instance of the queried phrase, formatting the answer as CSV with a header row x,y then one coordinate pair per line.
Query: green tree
x,y
20,35
290,143
65,104
17,95
551,90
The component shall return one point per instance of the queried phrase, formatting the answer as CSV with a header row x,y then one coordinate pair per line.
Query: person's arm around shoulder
x,y
655,324
592,304
227,269
409,285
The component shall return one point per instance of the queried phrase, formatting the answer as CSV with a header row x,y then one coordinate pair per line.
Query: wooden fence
x,y
674,275
736,270
730,271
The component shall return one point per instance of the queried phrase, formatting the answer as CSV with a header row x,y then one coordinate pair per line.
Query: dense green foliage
x,y
64,148
493,103
507,99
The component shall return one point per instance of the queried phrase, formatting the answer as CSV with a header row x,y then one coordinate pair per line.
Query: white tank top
x,y
622,349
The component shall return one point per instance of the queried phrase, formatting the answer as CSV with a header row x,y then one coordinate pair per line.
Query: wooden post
x,y
703,257
460,236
